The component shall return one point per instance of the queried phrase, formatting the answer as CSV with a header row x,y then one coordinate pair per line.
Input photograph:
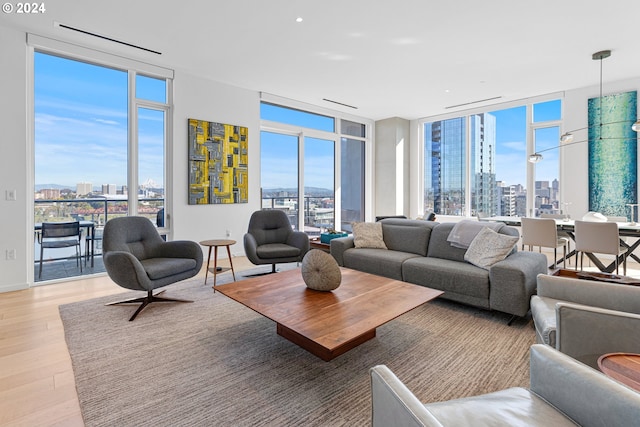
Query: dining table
x,y
625,229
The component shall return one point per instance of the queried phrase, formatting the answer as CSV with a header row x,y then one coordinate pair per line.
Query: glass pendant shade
x,y
566,137
535,157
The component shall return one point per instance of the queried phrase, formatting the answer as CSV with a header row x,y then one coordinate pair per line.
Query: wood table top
x,y
360,304
624,367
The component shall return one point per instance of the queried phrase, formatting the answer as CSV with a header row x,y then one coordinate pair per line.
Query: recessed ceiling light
x,y
299,19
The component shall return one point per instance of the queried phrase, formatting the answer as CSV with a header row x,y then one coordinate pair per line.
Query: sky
x,y
81,133
81,124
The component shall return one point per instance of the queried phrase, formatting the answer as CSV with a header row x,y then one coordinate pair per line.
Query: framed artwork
x,y
218,163
613,154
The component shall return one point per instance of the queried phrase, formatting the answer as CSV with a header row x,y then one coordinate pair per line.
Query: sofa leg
x,y
514,317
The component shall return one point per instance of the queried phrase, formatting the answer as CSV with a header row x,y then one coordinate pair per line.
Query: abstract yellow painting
x,y
218,163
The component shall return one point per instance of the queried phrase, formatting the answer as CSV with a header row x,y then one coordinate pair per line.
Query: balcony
x,y
61,263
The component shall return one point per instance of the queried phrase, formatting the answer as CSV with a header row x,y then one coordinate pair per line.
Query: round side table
x,y
216,243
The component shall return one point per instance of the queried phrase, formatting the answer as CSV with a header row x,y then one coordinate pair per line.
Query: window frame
x,y
74,52
336,137
530,172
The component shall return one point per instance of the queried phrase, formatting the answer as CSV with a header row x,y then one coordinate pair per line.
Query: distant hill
x,y
309,191
39,187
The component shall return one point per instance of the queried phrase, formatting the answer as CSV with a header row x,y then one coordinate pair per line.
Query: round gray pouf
x,y
320,271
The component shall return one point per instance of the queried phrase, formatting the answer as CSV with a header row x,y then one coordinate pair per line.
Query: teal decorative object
x,y
613,154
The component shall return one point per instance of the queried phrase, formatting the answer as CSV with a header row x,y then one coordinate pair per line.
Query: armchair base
x,y
146,301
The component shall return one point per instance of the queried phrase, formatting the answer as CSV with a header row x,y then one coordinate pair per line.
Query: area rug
x,y
215,362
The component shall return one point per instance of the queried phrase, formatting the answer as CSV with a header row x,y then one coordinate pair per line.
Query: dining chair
x,y
560,232
58,235
542,232
599,238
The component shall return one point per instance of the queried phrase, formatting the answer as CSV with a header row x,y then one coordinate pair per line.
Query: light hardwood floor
x,y
37,387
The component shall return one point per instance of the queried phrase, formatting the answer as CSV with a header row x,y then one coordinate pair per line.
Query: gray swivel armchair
x,y
270,239
136,257
562,392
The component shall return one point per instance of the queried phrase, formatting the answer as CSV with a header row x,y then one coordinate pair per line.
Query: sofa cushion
x,y
439,247
377,261
514,407
448,276
466,230
407,235
489,247
368,235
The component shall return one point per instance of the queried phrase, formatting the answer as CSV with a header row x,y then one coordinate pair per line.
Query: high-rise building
x,y
444,166
109,189
445,171
483,154
83,188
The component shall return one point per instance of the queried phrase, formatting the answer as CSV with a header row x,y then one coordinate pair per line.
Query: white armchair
x,y
554,289
563,392
586,333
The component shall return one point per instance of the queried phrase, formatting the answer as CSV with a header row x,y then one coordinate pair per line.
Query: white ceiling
x,y
405,58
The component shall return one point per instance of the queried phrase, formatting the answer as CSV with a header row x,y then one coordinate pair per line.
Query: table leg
x,y
215,268
231,262
207,270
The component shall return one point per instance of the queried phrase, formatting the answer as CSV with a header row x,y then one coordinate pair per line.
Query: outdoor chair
x,y
58,235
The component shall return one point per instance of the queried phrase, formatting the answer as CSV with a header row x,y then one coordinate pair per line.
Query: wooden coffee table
x,y
328,324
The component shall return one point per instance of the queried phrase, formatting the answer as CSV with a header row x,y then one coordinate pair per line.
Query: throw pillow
x,y
489,247
320,271
368,235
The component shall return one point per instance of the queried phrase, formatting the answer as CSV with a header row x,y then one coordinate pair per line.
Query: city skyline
x,y
81,134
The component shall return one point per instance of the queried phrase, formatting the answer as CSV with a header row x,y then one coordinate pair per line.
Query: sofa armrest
x,y
612,296
513,281
586,333
583,394
393,404
338,246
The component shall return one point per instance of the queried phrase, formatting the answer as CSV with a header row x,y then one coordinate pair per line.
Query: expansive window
x,y
546,134
510,138
476,164
100,138
322,154
279,173
444,171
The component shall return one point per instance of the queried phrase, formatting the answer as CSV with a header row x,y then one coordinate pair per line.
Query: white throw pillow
x,y
489,247
368,235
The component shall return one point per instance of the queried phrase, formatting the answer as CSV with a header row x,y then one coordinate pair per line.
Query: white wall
x,y
194,97
14,152
391,156
198,98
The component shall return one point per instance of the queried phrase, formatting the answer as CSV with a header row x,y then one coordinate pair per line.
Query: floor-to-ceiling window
x,y
100,141
313,167
546,136
476,164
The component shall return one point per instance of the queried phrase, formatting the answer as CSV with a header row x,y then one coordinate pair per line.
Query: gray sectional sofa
x,y
418,252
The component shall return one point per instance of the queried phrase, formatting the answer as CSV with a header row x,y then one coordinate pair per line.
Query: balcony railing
x,y
96,210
